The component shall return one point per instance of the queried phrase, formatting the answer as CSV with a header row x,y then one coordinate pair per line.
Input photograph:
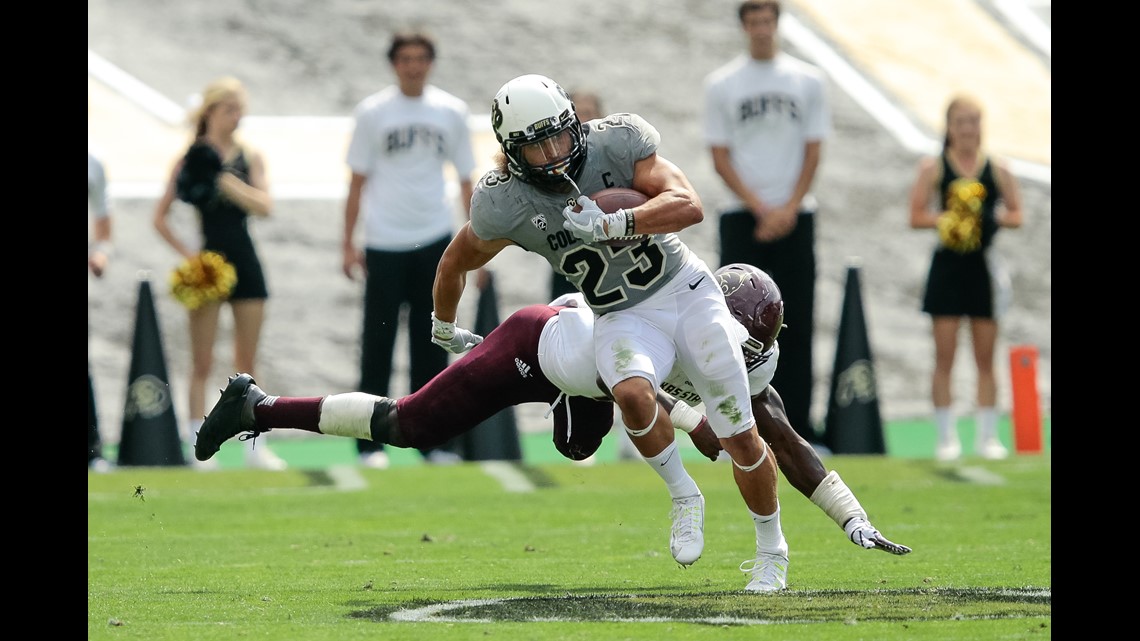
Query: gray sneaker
x,y
231,416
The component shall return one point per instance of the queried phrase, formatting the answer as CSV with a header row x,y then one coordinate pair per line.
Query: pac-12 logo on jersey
x,y
539,221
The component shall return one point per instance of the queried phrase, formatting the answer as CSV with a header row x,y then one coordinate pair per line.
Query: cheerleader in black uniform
x,y
226,182
967,196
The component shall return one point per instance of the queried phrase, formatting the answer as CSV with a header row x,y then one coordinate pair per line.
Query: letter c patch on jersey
x,y
539,221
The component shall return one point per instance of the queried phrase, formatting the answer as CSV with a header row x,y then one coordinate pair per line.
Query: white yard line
x,y
508,475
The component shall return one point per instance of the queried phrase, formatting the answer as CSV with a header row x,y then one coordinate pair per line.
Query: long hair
x,y
958,100
224,88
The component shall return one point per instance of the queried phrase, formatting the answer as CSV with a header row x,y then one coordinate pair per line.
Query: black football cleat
x,y
231,416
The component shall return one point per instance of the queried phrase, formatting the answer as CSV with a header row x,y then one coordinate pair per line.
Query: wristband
x,y
612,225
442,329
628,213
685,417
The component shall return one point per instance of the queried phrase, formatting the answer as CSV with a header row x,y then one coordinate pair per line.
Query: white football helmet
x,y
530,109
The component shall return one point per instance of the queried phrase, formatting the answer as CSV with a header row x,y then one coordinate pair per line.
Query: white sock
x,y
769,535
672,470
986,418
944,422
195,425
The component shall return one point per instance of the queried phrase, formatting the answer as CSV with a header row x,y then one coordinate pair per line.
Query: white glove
x,y
591,224
863,534
454,339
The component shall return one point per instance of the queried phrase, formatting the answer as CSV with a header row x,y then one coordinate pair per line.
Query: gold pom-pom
x,y
960,226
205,278
960,231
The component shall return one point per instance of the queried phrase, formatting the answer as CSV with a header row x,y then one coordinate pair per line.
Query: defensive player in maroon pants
x,y
541,354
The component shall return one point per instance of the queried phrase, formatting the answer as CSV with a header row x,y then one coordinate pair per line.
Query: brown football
x,y
613,199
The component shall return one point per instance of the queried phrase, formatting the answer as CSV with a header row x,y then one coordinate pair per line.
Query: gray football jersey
x,y
610,278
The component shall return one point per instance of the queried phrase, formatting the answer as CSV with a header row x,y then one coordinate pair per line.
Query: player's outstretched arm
x,y
796,458
801,465
691,421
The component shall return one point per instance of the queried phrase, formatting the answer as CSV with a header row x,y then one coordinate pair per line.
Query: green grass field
x,y
551,551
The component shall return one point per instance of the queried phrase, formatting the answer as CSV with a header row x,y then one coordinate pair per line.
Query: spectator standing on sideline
x,y
226,181
766,116
403,135
658,303
966,277
98,253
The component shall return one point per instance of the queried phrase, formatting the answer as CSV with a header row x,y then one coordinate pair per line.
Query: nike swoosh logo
x,y
666,461
694,285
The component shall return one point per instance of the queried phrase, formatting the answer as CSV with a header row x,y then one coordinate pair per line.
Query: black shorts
x,y
959,285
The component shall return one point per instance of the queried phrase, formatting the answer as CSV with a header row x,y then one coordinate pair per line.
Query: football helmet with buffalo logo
x,y
755,301
533,109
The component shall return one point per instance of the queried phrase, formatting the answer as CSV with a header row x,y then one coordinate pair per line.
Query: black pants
x,y
559,286
94,442
396,279
790,261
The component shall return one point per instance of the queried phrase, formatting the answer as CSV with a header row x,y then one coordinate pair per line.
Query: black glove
x,y
197,180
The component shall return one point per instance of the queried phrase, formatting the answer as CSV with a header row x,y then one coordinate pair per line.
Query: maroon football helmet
x,y
755,301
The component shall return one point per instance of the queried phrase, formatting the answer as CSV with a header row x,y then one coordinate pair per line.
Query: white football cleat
x,y
769,573
263,458
100,465
991,448
687,536
948,450
443,457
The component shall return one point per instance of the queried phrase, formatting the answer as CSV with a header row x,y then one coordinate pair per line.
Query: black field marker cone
x,y
497,438
853,423
150,428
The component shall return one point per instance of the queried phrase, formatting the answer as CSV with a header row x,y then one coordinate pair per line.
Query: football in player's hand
x,y
613,199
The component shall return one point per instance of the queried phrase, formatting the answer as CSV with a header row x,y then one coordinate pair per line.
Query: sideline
x,y
303,143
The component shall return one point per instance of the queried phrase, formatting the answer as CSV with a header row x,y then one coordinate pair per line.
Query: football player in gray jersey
x,y
536,355
658,304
